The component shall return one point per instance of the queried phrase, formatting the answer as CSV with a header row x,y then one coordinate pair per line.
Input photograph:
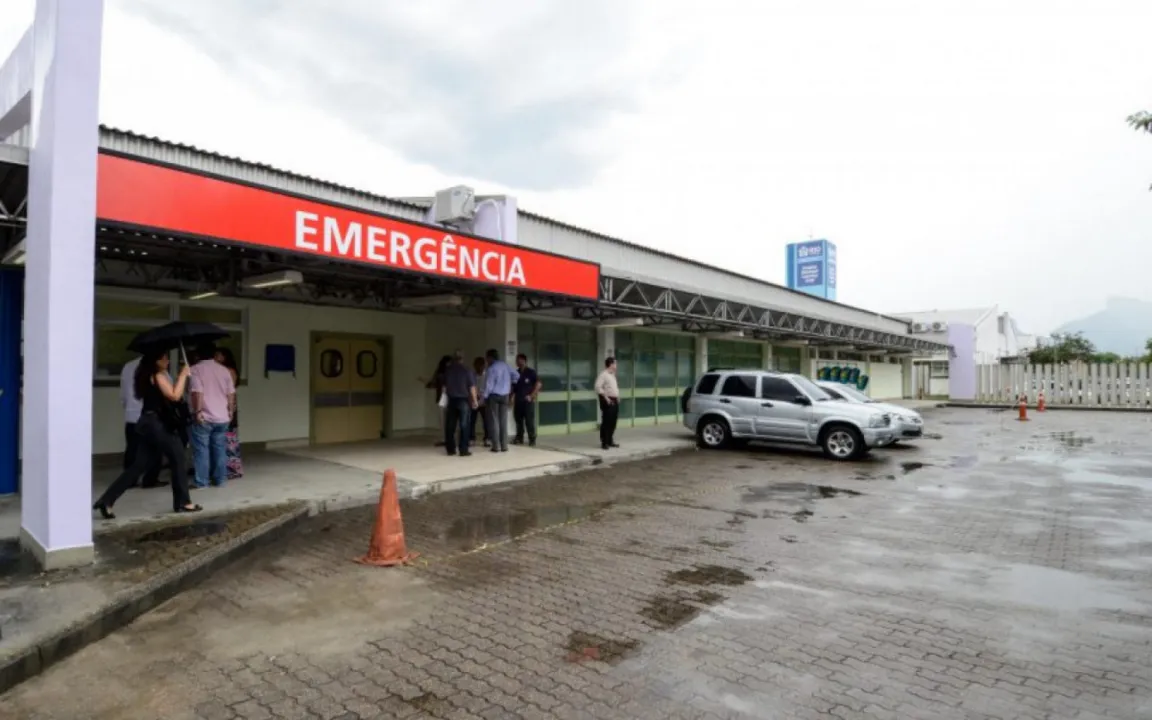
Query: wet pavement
x,y
1000,571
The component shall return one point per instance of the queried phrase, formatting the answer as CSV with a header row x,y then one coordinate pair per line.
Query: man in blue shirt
x,y
524,392
498,382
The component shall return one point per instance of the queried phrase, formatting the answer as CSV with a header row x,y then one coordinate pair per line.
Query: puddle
x,y
964,461
743,467
827,491
1060,590
467,533
589,646
672,611
176,533
911,467
802,515
764,493
719,545
1071,440
708,575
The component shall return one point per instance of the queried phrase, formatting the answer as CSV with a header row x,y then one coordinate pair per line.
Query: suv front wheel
x,y
843,442
713,433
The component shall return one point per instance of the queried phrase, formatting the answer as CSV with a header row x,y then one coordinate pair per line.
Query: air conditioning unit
x,y
454,205
921,327
939,327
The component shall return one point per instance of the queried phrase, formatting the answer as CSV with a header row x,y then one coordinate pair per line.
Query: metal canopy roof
x,y
177,264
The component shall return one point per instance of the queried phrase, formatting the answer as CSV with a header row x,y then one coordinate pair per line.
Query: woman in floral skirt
x,y
225,357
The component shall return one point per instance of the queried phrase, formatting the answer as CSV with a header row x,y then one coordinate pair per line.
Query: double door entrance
x,y
349,390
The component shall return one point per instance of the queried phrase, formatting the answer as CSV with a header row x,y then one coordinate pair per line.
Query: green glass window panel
x,y
529,349
553,412
645,369
581,334
668,406
645,407
584,411
666,368
626,408
525,331
625,369
623,339
112,348
643,341
581,367
786,359
551,331
116,309
215,315
685,342
552,367
685,370
665,342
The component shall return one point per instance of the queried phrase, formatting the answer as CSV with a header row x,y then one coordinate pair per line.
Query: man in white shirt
x,y
132,408
608,391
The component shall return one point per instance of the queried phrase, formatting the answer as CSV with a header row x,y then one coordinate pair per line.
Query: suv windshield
x,y
813,390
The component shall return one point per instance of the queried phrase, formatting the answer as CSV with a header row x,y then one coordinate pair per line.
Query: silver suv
x,y
735,406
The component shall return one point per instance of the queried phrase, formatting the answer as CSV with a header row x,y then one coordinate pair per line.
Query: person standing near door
x,y
460,391
213,401
498,381
132,409
609,393
524,392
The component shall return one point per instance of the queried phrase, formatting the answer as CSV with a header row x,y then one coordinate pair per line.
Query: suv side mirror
x,y
802,400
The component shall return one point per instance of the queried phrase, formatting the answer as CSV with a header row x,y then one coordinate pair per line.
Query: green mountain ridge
x,y
1122,327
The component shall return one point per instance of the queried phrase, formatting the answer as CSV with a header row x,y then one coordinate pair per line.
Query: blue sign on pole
x,y
811,268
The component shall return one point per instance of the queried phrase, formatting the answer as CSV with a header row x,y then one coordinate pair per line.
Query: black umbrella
x,y
175,335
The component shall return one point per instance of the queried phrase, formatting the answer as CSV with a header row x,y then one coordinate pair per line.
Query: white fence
x,y
1112,385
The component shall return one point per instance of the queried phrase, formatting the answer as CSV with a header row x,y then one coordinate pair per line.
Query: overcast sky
x,y
959,154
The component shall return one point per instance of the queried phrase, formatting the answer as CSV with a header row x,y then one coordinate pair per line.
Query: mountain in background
x,y
1122,327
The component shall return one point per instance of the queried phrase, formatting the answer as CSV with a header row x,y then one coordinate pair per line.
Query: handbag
x,y
443,401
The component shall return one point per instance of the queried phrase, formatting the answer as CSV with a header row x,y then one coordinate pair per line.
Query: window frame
x,y
715,377
174,305
796,392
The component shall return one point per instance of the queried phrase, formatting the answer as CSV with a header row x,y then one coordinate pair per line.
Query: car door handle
x,y
726,401
766,404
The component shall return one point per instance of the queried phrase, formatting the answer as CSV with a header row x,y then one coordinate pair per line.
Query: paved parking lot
x,y
1000,571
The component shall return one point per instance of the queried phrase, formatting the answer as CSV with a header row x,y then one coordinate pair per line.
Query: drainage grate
x,y
190,531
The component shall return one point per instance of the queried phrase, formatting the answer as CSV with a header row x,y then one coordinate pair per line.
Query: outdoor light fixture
x,y
271,280
199,294
432,301
621,322
15,255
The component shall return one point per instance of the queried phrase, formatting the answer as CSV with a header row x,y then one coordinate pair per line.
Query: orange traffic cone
x,y
1023,409
1040,404
387,547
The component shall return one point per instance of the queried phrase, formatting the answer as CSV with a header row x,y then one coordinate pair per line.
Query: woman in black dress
x,y
159,430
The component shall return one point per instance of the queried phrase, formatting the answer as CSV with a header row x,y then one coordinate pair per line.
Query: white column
x,y
605,346
701,355
56,497
768,364
504,330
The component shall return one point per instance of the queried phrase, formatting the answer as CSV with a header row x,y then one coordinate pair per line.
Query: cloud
x,y
515,91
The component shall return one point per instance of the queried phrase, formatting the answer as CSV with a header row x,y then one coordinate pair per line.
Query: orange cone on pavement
x,y
387,547
1040,404
1023,409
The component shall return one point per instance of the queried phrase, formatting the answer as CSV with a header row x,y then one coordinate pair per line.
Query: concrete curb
x,y
1049,408
139,599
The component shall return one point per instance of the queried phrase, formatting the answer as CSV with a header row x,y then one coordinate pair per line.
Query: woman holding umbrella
x,y
162,422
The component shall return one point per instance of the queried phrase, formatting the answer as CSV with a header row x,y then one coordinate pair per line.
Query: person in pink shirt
x,y
213,402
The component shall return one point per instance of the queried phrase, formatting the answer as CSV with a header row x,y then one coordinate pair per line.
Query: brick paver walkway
x,y
999,572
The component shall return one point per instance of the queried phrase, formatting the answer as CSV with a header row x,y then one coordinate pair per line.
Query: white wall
x,y
887,381
277,408
443,336
988,340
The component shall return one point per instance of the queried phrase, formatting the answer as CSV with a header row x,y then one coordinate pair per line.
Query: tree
x,y
1064,348
1141,121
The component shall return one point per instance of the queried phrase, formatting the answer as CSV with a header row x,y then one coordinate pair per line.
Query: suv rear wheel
x,y
713,433
843,442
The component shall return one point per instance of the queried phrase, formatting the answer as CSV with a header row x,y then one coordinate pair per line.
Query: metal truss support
x,y
694,312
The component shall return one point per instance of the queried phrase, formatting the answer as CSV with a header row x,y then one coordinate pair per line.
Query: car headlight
x,y
878,421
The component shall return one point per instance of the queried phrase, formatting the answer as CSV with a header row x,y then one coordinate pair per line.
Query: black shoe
x,y
520,441
495,449
451,453
105,512
604,446
531,443
503,449
612,444
466,453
